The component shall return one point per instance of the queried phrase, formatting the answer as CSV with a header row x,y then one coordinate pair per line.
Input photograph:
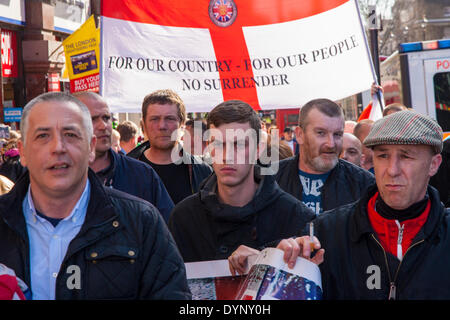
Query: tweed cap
x,y
406,127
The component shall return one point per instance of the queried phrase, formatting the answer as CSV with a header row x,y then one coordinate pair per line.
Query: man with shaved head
x,y
119,171
351,149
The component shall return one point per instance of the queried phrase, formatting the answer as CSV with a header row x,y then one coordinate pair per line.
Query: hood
x,y
267,193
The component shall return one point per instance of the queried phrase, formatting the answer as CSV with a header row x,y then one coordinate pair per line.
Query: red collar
x,y
395,236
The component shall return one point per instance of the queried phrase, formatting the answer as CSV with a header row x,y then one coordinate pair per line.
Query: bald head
x,y
351,149
101,120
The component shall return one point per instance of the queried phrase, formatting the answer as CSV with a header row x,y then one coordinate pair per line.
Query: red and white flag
x,y
271,54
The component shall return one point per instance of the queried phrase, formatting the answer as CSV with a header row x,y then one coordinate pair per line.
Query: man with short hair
x,y
128,135
66,235
163,113
351,149
361,131
393,243
316,175
236,204
119,171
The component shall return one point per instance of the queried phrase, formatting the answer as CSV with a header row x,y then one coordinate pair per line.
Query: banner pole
x,y
374,74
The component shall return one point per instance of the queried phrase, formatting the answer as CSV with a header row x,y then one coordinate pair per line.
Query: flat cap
x,y
406,127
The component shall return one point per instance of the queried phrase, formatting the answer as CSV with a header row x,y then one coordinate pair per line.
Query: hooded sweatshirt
x,y
206,229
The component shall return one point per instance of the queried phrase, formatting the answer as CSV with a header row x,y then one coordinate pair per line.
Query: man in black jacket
x,y
119,171
163,114
317,176
394,242
69,237
237,204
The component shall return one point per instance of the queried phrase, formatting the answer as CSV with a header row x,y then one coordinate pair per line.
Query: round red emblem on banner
x,y
222,12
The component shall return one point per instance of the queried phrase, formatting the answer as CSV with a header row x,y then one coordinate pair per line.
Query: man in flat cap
x,y
394,242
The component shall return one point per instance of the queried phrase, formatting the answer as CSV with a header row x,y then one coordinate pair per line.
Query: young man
x,y
236,204
66,235
163,113
394,242
317,176
119,171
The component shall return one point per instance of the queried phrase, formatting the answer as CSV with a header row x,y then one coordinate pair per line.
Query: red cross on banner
x,y
230,27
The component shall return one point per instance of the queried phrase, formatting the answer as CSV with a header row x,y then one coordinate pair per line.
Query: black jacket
x,y
124,249
139,179
205,229
352,250
198,170
441,180
12,168
345,184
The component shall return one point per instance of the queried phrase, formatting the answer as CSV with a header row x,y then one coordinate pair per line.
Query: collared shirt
x,y
48,244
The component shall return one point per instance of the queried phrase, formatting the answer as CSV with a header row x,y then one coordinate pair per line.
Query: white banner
x,y
321,54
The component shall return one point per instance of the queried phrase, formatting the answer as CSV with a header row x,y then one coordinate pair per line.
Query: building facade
x,y
32,54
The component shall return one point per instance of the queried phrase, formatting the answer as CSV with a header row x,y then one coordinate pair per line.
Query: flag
x,y
81,50
271,54
373,111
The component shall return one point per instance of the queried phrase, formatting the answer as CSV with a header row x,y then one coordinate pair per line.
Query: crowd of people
x,y
92,214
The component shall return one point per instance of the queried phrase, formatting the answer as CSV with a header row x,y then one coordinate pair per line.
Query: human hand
x,y
301,246
375,88
238,259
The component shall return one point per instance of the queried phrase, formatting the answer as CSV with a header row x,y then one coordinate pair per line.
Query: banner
x,y
272,54
82,55
9,55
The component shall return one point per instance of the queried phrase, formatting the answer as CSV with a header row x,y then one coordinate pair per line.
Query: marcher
x,y
69,237
291,141
351,149
393,242
118,171
317,176
163,113
128,135
236,204
361,131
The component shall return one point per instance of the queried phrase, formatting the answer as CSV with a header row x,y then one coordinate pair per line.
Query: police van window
x,y
442,96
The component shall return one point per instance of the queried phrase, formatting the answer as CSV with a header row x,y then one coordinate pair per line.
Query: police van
x,y
418,75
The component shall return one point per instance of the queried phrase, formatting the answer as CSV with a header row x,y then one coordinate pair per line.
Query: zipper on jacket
x,y
392,285
399,240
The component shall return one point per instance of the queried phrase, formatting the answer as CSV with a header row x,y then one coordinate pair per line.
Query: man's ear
x,y
436,161
299,134
20,146
93,143
141,123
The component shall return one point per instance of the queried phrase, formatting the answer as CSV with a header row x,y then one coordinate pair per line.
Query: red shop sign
x,y
9,53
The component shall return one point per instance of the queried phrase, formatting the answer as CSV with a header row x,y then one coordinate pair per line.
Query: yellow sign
x,y
82,51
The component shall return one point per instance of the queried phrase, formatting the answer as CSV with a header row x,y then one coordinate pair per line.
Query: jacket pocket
x,y
112,272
